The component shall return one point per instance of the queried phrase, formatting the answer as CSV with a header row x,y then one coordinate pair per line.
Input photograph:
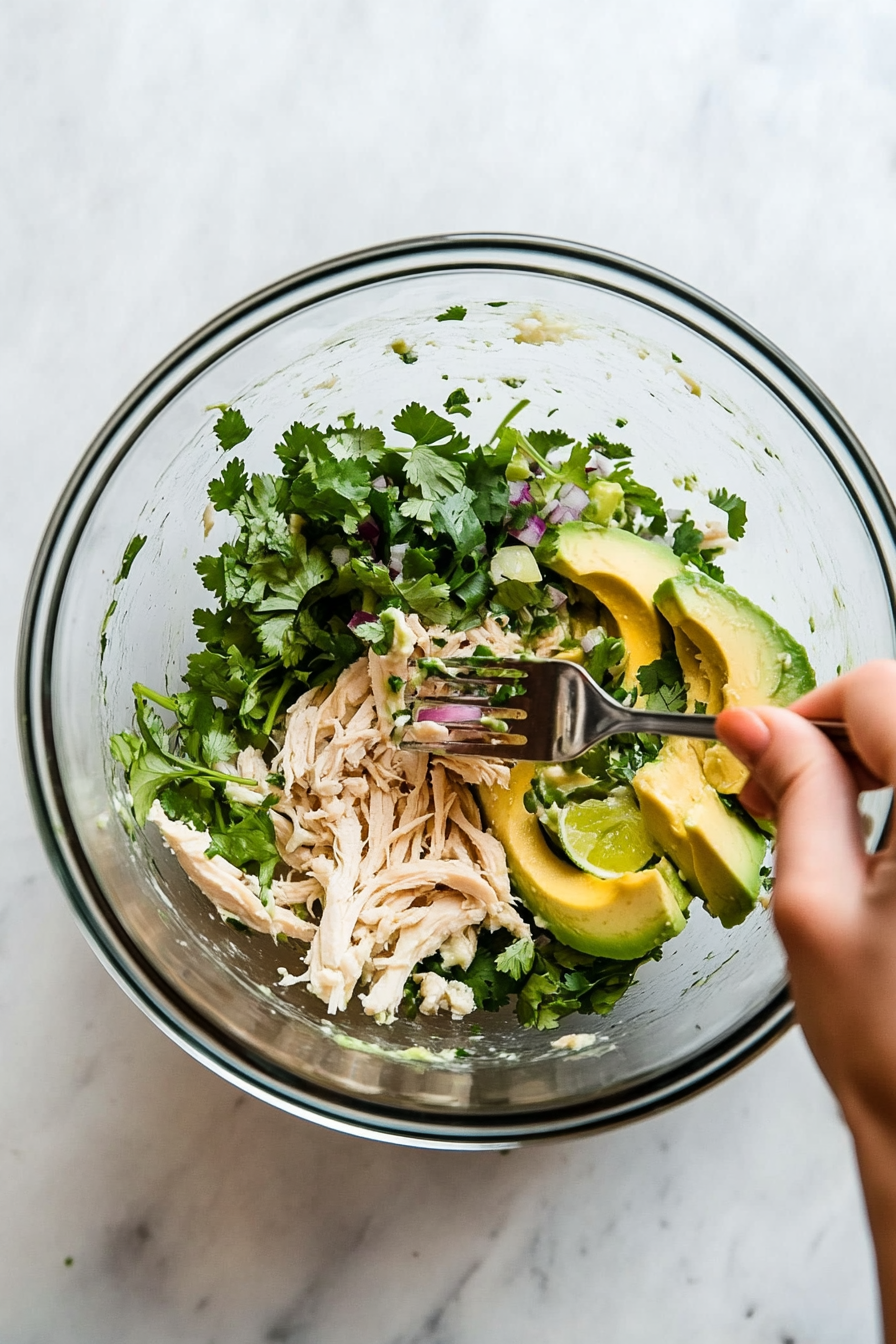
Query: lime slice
x,y
606,836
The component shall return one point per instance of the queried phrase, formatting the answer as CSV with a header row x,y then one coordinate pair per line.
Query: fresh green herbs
x,y
549,979
456,313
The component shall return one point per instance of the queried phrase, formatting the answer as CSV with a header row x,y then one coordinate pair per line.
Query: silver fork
x,y
534,709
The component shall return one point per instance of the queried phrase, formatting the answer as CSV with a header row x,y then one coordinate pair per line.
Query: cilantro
x,y
231,429
686,539
687,542
455,516
662,683
517,959
230,487
248,843
421,425
456,313
499,303
604,656
458,402
641,499
677,358
131,551
616,452
621,422
736,509
432,474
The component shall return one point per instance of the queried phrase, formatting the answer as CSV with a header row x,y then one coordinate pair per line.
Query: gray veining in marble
x,y
158,161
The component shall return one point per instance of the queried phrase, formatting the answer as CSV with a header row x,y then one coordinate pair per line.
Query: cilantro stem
x,y
277,701
511,414
164,701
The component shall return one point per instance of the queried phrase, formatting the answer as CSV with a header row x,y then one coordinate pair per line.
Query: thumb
x,y
820,860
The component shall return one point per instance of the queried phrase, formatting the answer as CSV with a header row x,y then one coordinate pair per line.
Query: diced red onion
x,y
380,483
573,496
532,531
370,530
561,514
520,492
602,465
593,637
450,714
569,504
555,596
360,618
396,560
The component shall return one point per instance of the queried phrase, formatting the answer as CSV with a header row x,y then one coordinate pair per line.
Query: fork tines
x,y
496,688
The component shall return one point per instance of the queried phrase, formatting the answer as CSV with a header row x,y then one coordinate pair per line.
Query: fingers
x,y
866,700
820,856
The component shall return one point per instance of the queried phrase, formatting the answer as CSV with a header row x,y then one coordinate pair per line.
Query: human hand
x,y
835,908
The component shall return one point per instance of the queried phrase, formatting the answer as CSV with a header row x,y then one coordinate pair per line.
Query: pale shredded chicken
x,y
385,858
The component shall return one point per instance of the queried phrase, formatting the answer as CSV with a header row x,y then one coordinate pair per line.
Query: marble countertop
x,y
158,162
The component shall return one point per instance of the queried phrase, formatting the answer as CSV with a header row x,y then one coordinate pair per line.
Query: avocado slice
x,y
623,572
742,655
732,653
718,852
622,918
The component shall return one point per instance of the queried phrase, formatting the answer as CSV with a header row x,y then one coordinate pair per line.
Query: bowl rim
x,y
153,993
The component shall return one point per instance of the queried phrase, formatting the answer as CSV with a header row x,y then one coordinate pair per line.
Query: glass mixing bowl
x,y
596,337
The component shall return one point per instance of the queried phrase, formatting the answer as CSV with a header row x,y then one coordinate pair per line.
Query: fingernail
x,y
744,733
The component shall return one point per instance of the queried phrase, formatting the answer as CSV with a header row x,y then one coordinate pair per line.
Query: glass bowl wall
x,y
588,338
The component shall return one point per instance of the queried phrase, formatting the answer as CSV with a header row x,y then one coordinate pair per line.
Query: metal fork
x,y
534,709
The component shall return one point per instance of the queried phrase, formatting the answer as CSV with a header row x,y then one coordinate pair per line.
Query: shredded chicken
x,y
384,849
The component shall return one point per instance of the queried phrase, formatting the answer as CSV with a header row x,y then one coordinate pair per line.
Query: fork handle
x,y
704,725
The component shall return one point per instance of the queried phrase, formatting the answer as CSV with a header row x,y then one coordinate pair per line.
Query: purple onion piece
x,y
360,618
450,714
602,465
530,534
560,513
370,530
520,492
593,637
555,596
380,483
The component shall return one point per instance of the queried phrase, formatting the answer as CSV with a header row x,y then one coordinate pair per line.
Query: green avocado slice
x,y
732,653
622,918
745,657
719,853
623,572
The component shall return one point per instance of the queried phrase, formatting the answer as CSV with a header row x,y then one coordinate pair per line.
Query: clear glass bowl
x,y
598,338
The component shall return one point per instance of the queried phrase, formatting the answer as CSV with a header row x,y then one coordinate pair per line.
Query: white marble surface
x,y
159,160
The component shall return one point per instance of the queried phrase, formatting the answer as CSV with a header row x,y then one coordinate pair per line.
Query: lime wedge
x,y
606,836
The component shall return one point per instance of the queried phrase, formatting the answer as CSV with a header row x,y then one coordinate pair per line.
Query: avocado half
x,y
623,918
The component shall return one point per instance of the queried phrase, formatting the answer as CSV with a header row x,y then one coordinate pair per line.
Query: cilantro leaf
x,y
518,959
432,474
423,426
331,490
230,487
662,682
456,313
230,428
606,654
455,516
617,452
686,539
736,509
246,843
458,402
